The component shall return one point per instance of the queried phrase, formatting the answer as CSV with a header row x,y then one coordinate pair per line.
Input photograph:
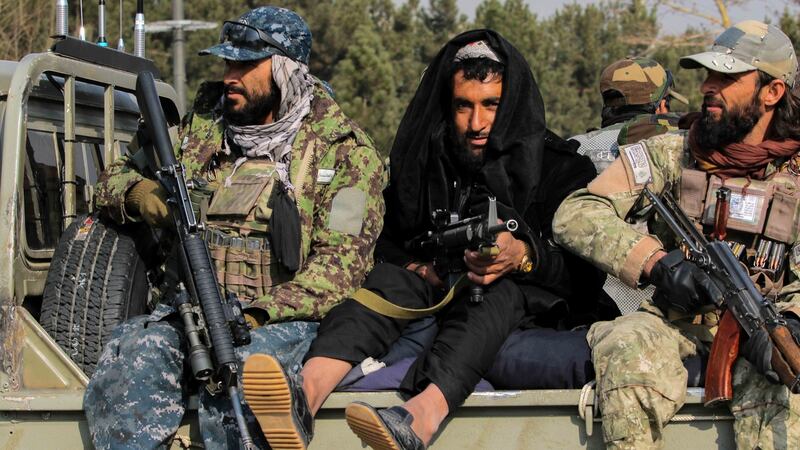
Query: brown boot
x,y
278,402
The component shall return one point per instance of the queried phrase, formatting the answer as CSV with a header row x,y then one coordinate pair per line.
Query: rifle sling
x,y
386,308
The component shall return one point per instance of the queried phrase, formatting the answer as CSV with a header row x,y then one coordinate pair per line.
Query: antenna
x,y
81,30
138,30
101,26
120,43
62,18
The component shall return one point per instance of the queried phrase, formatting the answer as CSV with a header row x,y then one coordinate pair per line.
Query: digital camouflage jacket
x,y
338,191
591,221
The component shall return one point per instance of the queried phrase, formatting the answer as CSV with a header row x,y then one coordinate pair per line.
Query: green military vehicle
x,y
66,279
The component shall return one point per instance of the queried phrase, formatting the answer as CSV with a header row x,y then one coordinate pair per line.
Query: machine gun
x,y
452,236
745,308
211,321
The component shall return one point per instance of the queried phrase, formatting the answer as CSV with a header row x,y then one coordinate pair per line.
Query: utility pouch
x,y
749,203
237,195
692,195
782,223
218,253
200,196
245,265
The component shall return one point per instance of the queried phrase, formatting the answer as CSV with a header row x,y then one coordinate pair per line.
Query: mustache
x,y
475,135
711,101
235,90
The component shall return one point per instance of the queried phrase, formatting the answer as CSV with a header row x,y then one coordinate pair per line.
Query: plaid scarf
x,y
274,140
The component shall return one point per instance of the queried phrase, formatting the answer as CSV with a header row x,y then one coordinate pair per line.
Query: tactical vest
x,y
762,224
235,203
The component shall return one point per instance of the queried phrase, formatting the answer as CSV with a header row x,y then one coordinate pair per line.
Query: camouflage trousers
x,y
140,389
641,384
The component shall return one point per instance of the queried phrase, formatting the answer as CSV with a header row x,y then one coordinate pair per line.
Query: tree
x,y
721,19
366,88
25,27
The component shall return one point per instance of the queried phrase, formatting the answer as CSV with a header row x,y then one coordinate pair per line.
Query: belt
x,y
221,239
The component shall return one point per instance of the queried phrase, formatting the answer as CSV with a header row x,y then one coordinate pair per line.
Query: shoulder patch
x,y
638,162
348,209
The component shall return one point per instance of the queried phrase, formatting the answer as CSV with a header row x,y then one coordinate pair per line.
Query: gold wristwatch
x,y
526,263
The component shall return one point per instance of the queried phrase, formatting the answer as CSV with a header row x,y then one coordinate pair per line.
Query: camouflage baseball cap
x,y
261,33
746,46
638,81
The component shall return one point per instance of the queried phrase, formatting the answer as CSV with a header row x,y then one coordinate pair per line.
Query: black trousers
x,y
470,335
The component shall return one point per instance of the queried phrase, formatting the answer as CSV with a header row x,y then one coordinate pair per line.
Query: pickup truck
x,y
65,114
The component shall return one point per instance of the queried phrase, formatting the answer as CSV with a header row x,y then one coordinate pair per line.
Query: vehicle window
x,y
42,192
88,161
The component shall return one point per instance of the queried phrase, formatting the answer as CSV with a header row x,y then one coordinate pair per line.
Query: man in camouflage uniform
x,y
745,138
269,138
636,105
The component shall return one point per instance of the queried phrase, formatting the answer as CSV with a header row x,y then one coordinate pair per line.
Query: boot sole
x,y
368,426
267,392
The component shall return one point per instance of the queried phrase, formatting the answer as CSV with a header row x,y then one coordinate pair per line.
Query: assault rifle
x,y
745,308
452,236
211,321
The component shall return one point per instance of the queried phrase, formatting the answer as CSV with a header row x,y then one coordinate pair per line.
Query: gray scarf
x,y
274,140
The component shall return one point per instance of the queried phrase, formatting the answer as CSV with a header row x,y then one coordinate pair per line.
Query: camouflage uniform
x,y
138,393
641,382
637,357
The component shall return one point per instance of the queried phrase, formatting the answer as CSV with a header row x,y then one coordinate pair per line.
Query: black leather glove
x,y
681,285
794,325
758,350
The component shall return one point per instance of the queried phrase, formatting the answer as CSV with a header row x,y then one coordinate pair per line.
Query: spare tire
x,y
97,279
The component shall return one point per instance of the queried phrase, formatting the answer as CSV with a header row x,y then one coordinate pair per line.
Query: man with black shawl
x,y
475,129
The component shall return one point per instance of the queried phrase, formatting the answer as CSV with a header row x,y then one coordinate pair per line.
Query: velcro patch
x,y
639,163
325,176
348,210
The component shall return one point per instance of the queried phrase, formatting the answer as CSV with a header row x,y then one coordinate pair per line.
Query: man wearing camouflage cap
x,y
290,191
637,96
747,140
636,105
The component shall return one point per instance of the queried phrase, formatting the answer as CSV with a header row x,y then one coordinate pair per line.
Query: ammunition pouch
x,y
765,213
245,265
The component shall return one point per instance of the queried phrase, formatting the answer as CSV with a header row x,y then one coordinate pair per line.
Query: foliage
x,y
374,51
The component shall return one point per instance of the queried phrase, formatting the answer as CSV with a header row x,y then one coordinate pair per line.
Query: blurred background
x,y
373,52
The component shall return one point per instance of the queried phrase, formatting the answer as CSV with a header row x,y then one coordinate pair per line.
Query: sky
x,y
672,22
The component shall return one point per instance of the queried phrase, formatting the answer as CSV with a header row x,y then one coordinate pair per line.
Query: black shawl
x,y
527,168
513,153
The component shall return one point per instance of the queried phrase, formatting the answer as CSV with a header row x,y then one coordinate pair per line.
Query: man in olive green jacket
x,y
289,189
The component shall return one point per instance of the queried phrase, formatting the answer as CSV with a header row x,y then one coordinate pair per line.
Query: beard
x,y
732,125
464,156
256,106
